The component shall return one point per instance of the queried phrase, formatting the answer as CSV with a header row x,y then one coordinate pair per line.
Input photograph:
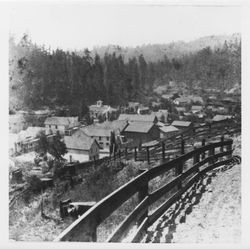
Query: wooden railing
x,y
204,158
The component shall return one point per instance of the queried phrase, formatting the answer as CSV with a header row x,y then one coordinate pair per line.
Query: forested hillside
x,y
156,52
42,77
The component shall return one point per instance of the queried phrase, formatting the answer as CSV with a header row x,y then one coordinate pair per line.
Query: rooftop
x,y
139,127
197,107
181,123
169,128
221,117
137,117
116,125
79,144
96,131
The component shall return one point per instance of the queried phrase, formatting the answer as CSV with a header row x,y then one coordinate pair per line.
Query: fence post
x,y
135,154
163,150
203,143
196,159
222,140
142,193
182,146
148,155
126,153
229,147
211,153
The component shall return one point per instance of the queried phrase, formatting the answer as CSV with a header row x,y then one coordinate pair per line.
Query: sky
x,y
80,25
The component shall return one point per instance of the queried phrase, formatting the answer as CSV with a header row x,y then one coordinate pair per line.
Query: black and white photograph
x,y
124,123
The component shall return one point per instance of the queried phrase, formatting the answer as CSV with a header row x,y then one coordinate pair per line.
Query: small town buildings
x,y
26,140
61,124
138,118
141,132
102,111
182,124
168,131
162,115
100,134
133,106
182,101
196,109
116,126
81,147
17,123
143,110
180,110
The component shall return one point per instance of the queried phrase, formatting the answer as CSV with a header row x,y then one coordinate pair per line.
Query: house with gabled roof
x,y
100,134
61,124
168,131
141,132
81,147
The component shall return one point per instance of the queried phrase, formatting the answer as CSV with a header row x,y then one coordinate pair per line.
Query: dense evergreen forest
x,y
42,77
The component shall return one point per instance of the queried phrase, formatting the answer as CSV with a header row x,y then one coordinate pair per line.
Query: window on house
x,y
100,138
107,138
107,144
49,126
56,126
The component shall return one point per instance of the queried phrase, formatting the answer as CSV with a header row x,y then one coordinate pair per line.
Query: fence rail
x,y
210,155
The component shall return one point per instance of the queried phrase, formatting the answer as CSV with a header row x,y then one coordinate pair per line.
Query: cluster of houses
x,y
130,126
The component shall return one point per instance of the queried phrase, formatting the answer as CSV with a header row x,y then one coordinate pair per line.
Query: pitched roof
x,y
139,127
221,117
137,117
160,124
96,131
169,128
116,125
61,121
181,123
78,142
30,132
197,107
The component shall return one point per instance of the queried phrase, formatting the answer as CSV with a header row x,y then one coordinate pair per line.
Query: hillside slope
x,y
155,52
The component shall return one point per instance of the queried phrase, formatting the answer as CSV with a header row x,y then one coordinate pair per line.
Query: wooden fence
x,y
204,159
